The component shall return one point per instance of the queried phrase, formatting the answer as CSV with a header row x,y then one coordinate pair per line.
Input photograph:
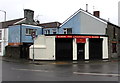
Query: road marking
x,y
31,70
96,74
60,63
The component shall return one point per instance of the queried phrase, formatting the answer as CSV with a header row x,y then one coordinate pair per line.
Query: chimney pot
x,y
96,13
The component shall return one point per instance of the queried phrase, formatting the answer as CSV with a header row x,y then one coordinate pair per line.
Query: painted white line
x,y
96,74
31,70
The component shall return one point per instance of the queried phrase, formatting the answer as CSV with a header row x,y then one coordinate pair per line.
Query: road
x,y
60,71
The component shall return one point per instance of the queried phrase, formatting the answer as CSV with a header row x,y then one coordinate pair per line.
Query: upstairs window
x,y
114,33
29,31
54,31
47,31
68,31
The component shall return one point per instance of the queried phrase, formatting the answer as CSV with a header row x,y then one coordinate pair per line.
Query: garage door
x,y
64,49
95,48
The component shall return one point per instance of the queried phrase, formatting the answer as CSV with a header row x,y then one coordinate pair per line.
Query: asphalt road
x,y
60,71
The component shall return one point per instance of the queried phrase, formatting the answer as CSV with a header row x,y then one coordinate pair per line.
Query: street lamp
x,y
4,32
4,13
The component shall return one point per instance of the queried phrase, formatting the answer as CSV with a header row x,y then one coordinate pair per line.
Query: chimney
x,y
96,13
29,15
86,7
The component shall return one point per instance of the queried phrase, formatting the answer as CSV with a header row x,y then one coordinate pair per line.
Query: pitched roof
x,y
10,22
50,25
81,10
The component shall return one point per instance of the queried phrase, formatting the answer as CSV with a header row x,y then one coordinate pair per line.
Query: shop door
x,y
80,51
95,49
64,49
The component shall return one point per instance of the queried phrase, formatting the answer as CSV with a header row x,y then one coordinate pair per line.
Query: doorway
x,y
64,49
95,48
80,51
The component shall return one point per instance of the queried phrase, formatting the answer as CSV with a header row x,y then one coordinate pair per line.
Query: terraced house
x,y
83,36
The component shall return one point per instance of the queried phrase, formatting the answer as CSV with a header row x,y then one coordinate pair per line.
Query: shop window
x,y
54,31
47,31
0,34
114,47
29,31
68,31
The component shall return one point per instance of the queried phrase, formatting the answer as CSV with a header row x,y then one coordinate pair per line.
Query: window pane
x,y
48,31
114,32
54,31
27,31
69,31
114,48
65,31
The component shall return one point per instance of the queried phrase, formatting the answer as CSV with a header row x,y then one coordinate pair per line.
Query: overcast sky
x,y
58,10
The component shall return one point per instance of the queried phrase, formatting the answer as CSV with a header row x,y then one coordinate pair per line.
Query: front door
x,y
80,51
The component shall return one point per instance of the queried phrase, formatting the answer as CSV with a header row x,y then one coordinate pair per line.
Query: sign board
x,y
33,34
80,40
64,36
86,36
70,36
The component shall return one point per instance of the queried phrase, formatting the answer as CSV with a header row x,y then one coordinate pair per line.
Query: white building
x,y
119,13
3,40
70,47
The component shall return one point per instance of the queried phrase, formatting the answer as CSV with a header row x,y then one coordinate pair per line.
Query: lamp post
x,y
4,13
33,34
4,32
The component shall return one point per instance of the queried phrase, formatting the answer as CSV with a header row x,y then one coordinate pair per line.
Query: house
x,y
85,33
28,19
20,39
50,28
4,34
83,22
113,32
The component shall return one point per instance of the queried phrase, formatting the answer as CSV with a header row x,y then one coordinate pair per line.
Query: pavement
x,y
25,61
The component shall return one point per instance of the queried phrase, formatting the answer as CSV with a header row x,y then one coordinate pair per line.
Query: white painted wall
x,y
74,49
105,47
4,41
87,49
44,48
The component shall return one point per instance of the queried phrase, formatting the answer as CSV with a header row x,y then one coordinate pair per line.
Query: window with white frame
x,y
54,31
68,31
0,34
47,31
29,31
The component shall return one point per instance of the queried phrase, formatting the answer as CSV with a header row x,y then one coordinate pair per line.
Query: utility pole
x,y
4,32
33,34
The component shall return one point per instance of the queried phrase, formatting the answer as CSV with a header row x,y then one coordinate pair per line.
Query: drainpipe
x,y
20,40
20,33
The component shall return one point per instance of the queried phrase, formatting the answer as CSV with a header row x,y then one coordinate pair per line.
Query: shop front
x,y
70,47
